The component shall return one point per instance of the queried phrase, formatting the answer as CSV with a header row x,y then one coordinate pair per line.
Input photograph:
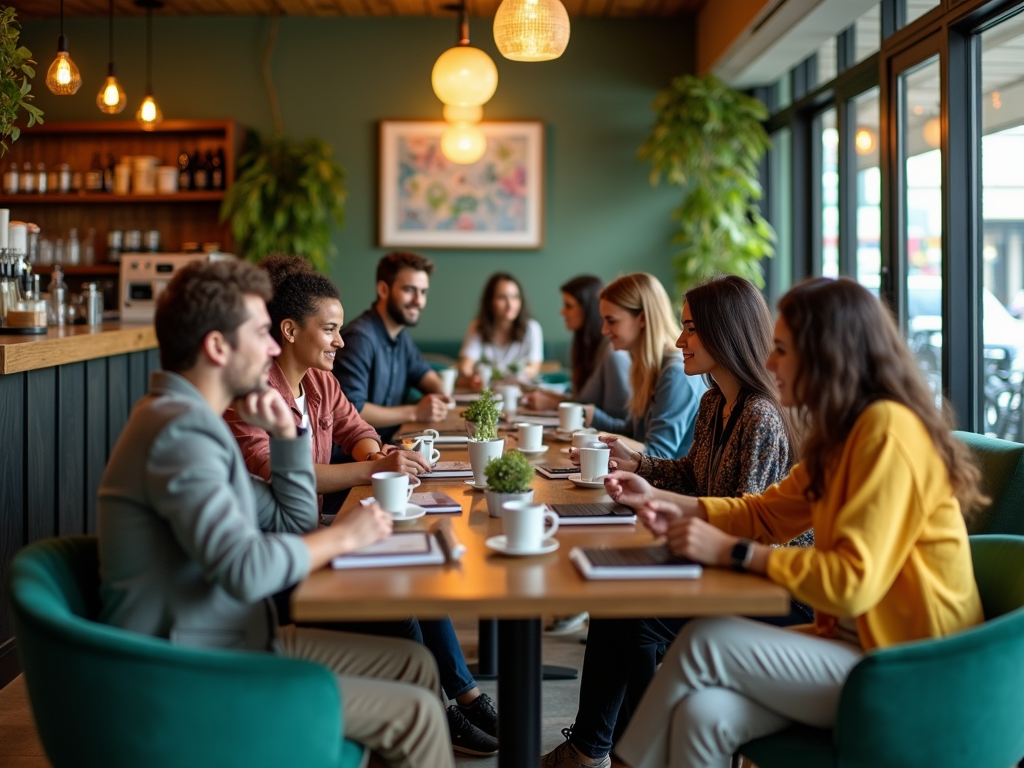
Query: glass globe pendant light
x,y
531,30
463,143
63,77
111,99
149,114
464,76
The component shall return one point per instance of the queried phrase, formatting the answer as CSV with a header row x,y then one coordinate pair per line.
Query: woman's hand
x,y
622,456
629,489
700,541
541,400
362,526
410,462
269,411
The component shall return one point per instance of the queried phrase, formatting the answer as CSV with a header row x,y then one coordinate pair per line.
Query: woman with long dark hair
x,y
503,334
885,486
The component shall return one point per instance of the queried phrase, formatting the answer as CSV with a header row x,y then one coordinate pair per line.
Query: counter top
x,y
72,344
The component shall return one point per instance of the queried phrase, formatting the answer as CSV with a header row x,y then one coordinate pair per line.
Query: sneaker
x,y
565,755
481,713
566,625
466,737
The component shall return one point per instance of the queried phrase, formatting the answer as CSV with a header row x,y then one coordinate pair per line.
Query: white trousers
x,y
725,681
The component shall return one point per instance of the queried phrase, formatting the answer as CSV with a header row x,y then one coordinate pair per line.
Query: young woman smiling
x,y
503,334
884,485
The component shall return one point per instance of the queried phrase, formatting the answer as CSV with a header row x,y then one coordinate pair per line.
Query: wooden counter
x,y
72,344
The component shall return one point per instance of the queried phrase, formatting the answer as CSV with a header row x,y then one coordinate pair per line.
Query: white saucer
x,y
472,484
500,544
534,451
412,511
578,479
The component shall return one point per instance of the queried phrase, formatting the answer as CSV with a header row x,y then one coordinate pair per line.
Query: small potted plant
x,y
482,426
508,479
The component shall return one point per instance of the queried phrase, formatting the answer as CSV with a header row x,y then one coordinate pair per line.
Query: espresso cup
x,y
448,377
594,462
531,436
570,416
510,395
425,447
392,490
523,522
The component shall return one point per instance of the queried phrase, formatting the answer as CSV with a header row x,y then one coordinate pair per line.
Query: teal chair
x,y
109,698
1002,479
956,702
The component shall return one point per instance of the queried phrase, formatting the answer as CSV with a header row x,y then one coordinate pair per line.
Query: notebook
x,y
651,562
407,548
555,473
608,513
435,501
449,469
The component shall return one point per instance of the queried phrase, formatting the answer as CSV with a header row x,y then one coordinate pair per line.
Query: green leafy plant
x,y
287,196
15,89
708,139
483,414
512,473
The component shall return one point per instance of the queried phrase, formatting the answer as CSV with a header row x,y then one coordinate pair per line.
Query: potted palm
x,y
508,479
482,427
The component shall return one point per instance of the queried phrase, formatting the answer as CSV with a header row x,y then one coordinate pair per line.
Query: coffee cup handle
x,y
414,483
551,517
435,456
432,433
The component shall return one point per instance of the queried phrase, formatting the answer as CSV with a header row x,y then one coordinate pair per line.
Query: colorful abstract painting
x,y
430,201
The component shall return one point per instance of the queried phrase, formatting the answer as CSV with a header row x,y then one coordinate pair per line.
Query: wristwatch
x,y
741,555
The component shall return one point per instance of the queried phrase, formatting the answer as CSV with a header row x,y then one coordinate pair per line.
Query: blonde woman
x,y
660,414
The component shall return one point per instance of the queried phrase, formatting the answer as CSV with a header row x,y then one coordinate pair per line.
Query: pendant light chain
x,y
111,30
149,50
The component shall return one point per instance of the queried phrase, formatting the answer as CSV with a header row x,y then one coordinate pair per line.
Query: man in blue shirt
x,y
379,362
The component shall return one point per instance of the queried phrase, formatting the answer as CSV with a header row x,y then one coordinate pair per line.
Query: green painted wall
x,y
337,77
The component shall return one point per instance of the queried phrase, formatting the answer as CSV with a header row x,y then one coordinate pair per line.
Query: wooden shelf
x,y
84,269
75,198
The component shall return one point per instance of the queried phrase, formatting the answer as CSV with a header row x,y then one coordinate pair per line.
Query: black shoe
x,y
481,713
466,737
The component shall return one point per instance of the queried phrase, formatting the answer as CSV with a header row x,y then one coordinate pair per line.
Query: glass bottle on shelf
x,y
201,175
41,178
108,173
58,297
93,179
184,171
27,179
11,179
217,170
74,251
89,248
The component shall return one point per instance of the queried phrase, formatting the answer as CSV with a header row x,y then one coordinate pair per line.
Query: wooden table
x,y
519,590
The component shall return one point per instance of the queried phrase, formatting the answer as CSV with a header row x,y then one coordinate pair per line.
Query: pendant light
x,y
463,143
531,30
111,99
63,77
464,76
149,114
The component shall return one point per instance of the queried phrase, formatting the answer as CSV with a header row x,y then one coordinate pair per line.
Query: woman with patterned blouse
x,y
740,445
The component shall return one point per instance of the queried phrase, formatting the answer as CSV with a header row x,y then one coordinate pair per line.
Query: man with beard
x,y
192,547
379,362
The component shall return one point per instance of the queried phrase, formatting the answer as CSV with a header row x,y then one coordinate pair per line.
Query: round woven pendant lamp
x,y
531,30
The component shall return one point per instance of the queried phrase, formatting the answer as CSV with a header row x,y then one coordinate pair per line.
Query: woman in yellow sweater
x,y
882,483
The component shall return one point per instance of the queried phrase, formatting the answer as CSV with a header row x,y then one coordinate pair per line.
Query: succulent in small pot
x,y
508,479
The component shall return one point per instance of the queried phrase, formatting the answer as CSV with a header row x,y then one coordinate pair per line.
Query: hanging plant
x,y
15,90
708,140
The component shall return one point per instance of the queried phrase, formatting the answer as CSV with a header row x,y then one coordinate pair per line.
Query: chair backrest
x,y
103,696
948,703
1002,479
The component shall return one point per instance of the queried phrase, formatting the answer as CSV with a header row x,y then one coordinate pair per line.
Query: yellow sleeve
x,y
874,530
778,515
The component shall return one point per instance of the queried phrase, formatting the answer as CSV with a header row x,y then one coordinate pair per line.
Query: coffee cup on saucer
x,y
531,436
594,462
523,522
570,417
392,490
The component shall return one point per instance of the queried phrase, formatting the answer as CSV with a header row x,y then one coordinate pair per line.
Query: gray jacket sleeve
x,y
608,386
188,481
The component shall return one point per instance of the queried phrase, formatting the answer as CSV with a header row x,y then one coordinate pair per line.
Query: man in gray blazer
x,y
192,547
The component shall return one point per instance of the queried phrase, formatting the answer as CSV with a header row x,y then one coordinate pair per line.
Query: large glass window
x,y
868,223
867,34
827,62
920,138
780,212
829,195
1002,262
918,8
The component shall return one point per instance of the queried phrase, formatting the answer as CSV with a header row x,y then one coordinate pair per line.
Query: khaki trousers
x,y
725,681
389,691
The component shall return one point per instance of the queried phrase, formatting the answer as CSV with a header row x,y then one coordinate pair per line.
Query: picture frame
x,y
428,201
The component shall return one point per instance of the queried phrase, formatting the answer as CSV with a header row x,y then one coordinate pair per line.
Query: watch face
x,y
741,554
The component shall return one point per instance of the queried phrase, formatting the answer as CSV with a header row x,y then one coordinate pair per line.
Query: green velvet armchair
x,y
1002,479
956,702
109,698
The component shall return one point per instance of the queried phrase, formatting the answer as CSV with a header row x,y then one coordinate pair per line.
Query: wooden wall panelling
x,y
41,454
117,398
71,425
12,482
96,425
137,385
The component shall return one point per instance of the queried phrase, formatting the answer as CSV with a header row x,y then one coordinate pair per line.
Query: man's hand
x,y
699,540
629,489
269,411
410,462
362,526
432,407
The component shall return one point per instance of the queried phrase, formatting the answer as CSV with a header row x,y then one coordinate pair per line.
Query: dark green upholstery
x,y
1002,479
109,698
956,702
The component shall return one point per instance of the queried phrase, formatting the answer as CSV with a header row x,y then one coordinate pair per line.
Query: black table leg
x,y
519,692
487,651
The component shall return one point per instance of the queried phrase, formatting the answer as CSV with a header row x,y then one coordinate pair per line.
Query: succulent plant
x,y
483,413
512,473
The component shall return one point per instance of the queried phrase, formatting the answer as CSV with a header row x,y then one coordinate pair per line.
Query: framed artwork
x,y
427,201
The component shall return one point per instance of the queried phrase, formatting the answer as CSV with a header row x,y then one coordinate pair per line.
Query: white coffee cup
x,y
510,395
594,462
392,490
484,371
523,522
584,438
482,453
531,436
448,377
570,416
424,446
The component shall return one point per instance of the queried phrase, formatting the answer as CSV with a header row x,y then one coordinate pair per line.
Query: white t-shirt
x,y
529,350
300,403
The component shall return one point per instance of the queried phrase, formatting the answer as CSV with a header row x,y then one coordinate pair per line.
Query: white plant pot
x,y
482,453
495,500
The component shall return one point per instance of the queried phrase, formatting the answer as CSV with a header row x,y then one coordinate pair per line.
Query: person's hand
x,y
541,400
657,515
432,407
699,540
410,462
362,526
267,410
629,489
622,456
